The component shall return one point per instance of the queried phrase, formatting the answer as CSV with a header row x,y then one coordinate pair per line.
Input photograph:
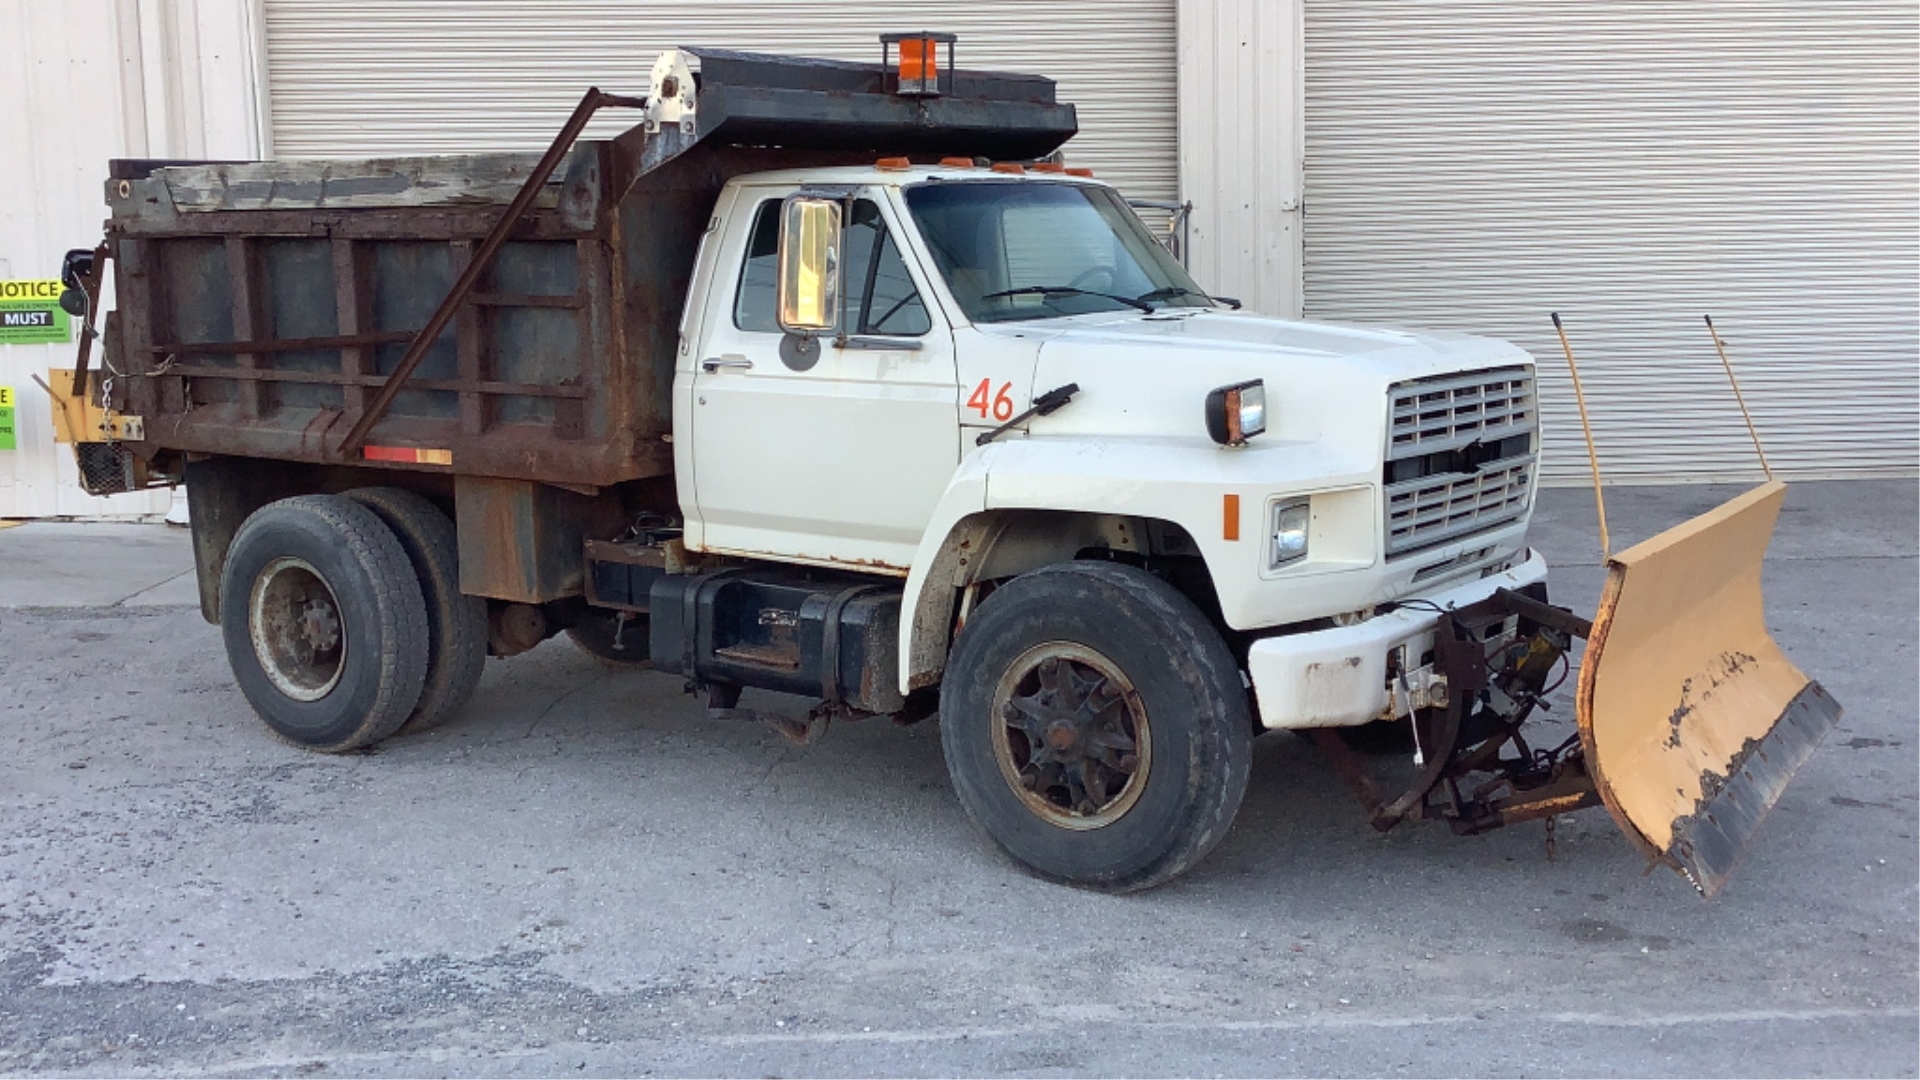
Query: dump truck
x,y
835,380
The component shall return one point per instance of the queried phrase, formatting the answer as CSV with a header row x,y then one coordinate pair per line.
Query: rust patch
x,y
1708,840
1724,668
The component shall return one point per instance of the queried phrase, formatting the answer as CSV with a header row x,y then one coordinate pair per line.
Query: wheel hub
x,y
320,625
1061,735
294,622
1072,735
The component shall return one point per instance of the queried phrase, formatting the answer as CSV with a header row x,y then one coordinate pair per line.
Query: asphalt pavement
x,y
584,876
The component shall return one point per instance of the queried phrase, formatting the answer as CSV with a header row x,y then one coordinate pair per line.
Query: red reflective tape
x,y
410,455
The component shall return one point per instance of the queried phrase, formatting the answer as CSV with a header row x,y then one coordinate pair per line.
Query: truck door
x,y
831,453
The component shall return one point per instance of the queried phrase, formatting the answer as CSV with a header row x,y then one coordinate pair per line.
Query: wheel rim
x,y
1070,734
297,632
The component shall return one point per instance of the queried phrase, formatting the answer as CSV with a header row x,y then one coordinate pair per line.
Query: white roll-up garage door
x,y
354,78
1478,164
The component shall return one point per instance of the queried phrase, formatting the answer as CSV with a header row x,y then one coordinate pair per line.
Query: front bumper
x,y
1338,677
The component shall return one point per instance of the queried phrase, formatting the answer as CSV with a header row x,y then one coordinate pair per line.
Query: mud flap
x,y
1692,719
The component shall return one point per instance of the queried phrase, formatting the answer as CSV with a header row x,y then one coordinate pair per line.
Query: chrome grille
x,y
1442,429
1435,509
1430,415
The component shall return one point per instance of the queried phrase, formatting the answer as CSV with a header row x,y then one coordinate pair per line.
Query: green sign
x,y
30,312
6,418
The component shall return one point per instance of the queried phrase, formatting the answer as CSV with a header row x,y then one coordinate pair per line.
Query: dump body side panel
x,y
261,305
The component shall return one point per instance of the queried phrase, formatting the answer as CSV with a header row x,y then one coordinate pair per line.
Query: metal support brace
x,y
591,103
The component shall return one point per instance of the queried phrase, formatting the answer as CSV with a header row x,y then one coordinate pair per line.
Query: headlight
x,y
1237,413
1289,532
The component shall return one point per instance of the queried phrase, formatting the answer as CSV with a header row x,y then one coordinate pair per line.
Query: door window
x,y
754,302
877,296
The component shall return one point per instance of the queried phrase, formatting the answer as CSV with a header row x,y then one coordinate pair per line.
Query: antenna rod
x,y
1593,458
1737,396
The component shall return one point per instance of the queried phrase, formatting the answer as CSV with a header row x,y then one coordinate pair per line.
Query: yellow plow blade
x,y
1692,719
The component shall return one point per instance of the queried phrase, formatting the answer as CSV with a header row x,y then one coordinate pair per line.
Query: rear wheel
x,y
1095,726
323,622
456,623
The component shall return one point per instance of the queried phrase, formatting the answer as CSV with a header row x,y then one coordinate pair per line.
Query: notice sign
x,y
30,312
7,438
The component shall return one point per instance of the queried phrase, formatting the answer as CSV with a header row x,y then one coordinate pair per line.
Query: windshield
x,y
1024,250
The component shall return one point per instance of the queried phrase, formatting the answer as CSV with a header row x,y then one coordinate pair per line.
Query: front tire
x,y
1095,726
323,622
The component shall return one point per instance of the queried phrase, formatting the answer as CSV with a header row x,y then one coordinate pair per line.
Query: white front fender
x,y
1183,481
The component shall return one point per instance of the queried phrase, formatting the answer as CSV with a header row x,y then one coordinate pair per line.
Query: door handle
x,y
715,363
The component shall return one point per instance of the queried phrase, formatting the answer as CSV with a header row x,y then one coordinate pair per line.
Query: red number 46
x,y
1001,407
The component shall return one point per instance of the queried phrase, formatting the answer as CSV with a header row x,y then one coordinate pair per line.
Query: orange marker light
x,y
1088,173
1230,517
1012,167
919,61
957,162
1049,167
917,64
893,164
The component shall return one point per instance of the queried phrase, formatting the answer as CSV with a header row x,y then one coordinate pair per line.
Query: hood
x,y
1148,375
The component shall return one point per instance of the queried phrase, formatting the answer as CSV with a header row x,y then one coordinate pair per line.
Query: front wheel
x,y
1095,726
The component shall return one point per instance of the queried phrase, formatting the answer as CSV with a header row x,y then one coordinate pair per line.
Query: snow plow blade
x,y
1691,718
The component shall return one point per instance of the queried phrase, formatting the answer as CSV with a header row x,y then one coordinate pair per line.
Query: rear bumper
x,y
1338,677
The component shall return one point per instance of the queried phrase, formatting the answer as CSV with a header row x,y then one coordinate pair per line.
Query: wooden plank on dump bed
x,y
455,180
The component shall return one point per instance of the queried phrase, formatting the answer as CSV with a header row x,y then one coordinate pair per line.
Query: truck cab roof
x,y
887,176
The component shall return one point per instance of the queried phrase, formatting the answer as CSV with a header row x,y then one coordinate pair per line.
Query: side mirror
x,y
77,264
809,286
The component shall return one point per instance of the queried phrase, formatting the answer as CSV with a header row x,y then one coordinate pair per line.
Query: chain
x,y
1551,846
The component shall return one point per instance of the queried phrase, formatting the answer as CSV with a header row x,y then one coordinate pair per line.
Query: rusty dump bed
x,y
261,306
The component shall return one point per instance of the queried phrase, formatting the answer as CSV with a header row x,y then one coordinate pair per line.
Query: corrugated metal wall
x,y
353,78
1480,163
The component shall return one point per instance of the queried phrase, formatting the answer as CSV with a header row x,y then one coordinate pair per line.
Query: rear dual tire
x,y
456,623
324,623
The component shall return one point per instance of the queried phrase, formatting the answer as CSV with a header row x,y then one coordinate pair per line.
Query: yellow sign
x,y
30,312
9,439
6,397
44,289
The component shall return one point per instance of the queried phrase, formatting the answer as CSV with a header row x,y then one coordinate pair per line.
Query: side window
x,y
878,296
753,302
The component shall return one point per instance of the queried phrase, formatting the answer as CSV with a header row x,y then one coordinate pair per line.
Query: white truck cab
x,y
1377,477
